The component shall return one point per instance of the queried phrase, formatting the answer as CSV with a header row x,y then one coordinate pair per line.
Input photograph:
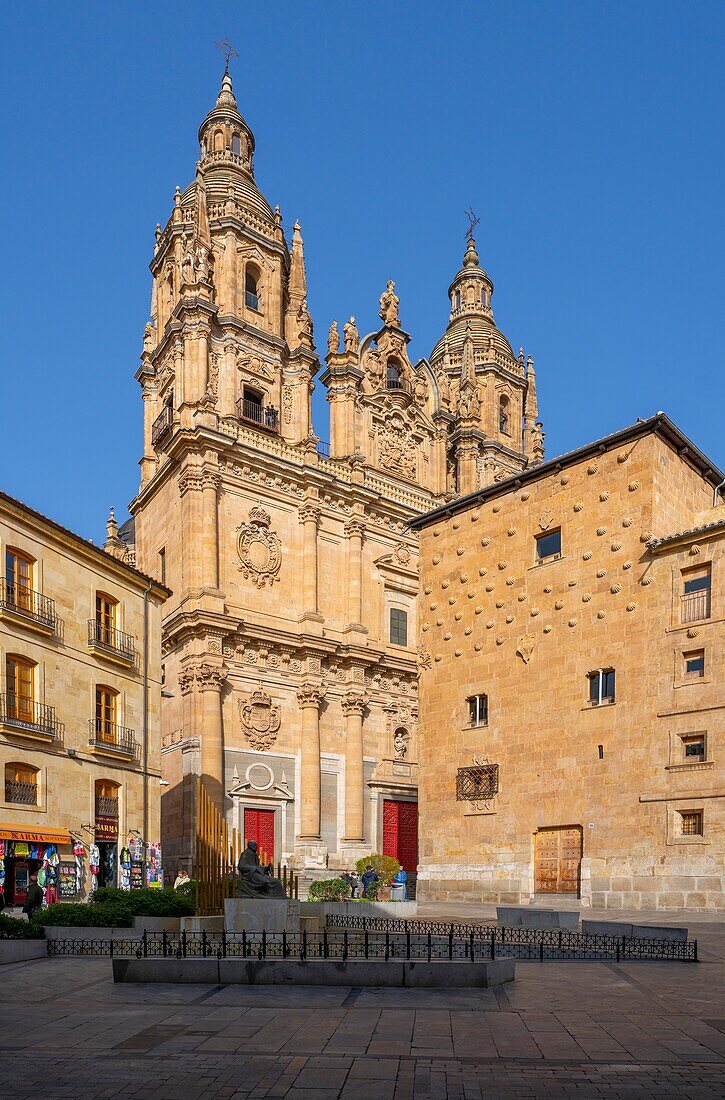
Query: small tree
x,y
385,867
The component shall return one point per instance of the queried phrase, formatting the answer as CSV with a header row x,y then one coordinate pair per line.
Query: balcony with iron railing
x,y
253,412
105,641
399,384
21,793
23,716
695,606
106,807
33,608
107,737
162,425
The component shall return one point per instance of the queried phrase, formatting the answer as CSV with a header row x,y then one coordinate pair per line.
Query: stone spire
x,y
296,289
468,403
533,428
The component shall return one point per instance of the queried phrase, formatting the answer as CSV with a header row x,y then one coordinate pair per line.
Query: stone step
x,y
555,901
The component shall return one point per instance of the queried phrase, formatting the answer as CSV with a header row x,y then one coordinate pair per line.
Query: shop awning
x,y
45,836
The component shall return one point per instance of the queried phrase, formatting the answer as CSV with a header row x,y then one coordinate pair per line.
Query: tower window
x,y
393,375
251,289
601,686
398,626
236,144
218,141
696,585
504,416
695,663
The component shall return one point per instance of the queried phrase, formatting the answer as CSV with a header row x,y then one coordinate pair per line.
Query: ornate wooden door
x,y
400,833
259,826
557,857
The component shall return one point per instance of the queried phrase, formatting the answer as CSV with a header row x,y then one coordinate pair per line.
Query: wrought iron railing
x,y
31,605
106,806
396,384
695,606
114,641
21,793
264,416
162,425
26,714
107,735
451,943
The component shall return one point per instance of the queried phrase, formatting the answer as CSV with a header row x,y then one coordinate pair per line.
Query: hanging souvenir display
x,y
154,869
125,864
94,865
79,852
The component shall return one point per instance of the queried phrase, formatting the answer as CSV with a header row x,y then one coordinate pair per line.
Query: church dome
x,y
470,295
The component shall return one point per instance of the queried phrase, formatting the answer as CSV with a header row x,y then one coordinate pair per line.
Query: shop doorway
x,y
259,826
400,833
557,859
17,879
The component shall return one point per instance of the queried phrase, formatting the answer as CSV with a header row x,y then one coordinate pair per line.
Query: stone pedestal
x,y
261,915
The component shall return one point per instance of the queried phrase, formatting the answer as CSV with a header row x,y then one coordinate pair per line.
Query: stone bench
x,y
357,973
526,917
633,931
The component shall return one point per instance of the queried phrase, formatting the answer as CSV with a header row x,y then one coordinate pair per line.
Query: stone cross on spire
x,y
228,50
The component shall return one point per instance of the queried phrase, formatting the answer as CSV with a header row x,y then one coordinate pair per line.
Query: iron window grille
x,y
162,425
691,822
21,793
477,783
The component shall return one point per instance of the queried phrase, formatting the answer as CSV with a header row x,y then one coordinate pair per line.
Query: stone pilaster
x,y
353,706
210,681
309,698
355,531
310,520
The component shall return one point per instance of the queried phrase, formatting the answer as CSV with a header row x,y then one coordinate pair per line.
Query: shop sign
x,y
106,828
48,836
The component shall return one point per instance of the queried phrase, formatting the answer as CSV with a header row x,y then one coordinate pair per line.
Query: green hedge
x,y
147,903
12,928
329,889
111,915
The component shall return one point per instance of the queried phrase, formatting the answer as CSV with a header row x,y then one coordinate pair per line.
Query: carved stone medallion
x,y
525,648
260,719
259,549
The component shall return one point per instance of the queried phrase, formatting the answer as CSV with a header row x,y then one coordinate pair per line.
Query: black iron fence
x,y
457,942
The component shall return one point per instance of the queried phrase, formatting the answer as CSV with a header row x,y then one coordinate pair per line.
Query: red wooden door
x,y
400,833
259,826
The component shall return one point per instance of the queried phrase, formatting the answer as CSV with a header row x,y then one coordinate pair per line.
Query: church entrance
x,y
400,833
259,826
557,859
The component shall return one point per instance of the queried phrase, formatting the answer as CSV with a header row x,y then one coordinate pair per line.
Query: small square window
x,y
695,663
398,626
693,748
691,822
601,686
478,710
548,545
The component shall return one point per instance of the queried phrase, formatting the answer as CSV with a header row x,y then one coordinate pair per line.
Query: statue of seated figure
x,y
255,881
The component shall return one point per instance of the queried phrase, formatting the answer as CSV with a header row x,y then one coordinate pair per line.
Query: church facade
x,y
290,649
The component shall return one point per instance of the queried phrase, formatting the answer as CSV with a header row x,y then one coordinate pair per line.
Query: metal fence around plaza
x,y
418,941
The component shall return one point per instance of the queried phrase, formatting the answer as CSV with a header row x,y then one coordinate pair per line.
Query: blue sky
x,y
588,138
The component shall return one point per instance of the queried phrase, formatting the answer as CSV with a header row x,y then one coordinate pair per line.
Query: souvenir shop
x,y
24,852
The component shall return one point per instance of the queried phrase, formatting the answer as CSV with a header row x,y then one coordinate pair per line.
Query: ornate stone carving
x,y
210,677
545,520
310,695
333,339
354,702
525,647
355,528
389,303
260,719
351,337
310,514
395,448
186,681
190,481
259,549
423,658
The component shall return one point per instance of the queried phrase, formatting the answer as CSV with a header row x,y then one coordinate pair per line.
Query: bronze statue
x,y
255,881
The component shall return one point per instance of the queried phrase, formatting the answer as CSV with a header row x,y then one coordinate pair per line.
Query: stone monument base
x,y
261,914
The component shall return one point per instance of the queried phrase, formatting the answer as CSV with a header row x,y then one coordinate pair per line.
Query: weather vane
x,y
473,222
228,50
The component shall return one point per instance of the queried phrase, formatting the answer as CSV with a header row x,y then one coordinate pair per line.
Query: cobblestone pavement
x,y
569,1029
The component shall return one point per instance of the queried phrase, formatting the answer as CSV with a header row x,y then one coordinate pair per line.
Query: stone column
x,y
310,519
210,481
467,466
150,409
210,680
309,697
353,706
190,485
355,530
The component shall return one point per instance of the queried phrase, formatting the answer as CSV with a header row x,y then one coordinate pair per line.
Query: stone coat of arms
x,y
259,549
260,719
